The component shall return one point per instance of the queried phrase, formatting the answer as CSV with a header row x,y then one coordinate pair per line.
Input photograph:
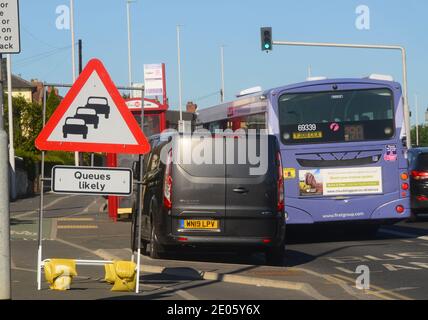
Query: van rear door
x,y
251,197
198,192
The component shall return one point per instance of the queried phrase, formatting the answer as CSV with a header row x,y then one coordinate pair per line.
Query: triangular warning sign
x,y
93,117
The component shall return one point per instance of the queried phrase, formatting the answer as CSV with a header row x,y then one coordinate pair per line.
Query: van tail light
x,y
167,185
419,175
280,204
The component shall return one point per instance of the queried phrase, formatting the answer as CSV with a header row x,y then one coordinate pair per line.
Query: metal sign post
x,y
5,263
9,43
140,201
368,46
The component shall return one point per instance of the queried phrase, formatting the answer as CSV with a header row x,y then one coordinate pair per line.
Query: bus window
x,y
253,121
345,116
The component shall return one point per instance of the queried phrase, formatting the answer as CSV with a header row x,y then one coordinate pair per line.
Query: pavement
x,y
320,264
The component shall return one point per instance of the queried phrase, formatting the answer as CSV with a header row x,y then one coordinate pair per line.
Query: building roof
x,y
17,82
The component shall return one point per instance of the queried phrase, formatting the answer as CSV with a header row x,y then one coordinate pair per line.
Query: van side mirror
x,y
136,170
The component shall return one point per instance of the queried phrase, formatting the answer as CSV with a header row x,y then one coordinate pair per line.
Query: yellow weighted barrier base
x,y
125,272
110,276
59,273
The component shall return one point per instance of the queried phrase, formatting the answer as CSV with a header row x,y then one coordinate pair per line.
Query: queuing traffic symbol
x,y
93,117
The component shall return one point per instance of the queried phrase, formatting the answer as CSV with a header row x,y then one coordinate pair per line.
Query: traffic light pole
x,y
5,265
367,46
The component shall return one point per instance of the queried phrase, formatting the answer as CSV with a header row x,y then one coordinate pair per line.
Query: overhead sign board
x,y
95,181
10,41
154,82
93,117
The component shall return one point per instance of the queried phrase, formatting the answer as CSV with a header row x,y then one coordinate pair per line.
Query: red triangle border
x,y
96,65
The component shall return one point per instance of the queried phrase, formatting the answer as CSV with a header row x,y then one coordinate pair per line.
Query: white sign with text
x,y
89,180
9,27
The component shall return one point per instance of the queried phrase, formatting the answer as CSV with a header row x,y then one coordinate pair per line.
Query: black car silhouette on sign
x,y
100,105
75,126
89,115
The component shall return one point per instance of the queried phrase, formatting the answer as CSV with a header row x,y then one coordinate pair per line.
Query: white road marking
x,y
186,295
29,213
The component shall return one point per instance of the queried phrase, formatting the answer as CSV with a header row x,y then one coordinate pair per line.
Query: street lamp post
x,y
73,60
179,75
367,46
417,119
128,15
222,73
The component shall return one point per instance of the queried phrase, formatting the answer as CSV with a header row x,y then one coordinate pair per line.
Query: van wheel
x,y
155,249
134,235
275,256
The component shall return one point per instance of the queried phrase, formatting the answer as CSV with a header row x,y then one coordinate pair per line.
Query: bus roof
x,y
258,101
334,81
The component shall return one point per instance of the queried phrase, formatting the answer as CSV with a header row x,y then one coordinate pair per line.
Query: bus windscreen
x,y
336,116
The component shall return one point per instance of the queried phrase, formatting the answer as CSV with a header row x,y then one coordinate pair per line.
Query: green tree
x,y
52,103
423,136
19,105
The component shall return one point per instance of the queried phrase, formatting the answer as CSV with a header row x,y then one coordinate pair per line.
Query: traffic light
x,y
266,37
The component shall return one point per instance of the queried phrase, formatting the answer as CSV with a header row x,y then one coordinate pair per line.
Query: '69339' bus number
x,y
306,127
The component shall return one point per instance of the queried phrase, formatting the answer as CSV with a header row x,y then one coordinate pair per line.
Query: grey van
x,y
219,205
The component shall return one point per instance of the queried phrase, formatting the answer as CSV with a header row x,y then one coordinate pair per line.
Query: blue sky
x,y
208,24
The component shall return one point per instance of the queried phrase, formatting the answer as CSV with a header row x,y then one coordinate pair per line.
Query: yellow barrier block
x,y
125,272
59,273
110,276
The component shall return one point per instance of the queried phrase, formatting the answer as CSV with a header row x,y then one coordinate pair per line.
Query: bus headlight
x,y
286,136
388,131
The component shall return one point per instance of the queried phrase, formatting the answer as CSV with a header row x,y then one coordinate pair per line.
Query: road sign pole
x,y
41,203
5,265
140,201
11,133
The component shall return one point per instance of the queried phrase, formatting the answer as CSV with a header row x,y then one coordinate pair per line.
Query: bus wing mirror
x,y
404,142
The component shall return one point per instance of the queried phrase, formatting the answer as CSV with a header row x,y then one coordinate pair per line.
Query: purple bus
x,y
342,144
